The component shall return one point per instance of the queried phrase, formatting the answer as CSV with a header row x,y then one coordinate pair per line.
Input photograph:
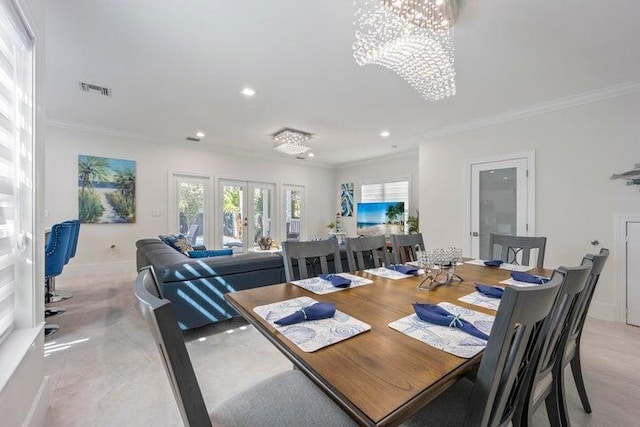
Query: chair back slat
x,y
173,352
510,247
508,354
366,252
404,247
308,254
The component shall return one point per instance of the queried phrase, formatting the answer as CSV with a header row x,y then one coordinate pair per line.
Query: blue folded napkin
x,y
336,281
439,316
404,269
528,278
317,311
494,263
490,291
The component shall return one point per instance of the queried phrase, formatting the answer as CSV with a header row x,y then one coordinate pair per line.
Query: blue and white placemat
x,y
311,335
504,266
390,274
481,300
320,286
451,340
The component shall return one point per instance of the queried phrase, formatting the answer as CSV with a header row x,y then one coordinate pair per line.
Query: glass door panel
x,y
293,198
262,211
234,217
192,207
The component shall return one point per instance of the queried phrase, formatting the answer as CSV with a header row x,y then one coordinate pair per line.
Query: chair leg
x,y
50,311
552,404
576,369
50,329
561,397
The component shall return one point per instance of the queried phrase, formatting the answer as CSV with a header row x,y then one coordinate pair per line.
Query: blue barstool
x,y
55,257
71,252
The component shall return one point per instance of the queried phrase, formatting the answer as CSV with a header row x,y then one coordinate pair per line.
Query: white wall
x,y
401,165
153,162
576,150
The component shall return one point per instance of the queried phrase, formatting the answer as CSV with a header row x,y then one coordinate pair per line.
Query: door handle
x,y
246,222
474,234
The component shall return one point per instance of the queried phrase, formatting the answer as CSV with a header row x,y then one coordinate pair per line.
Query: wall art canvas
x,y
346,199
106,190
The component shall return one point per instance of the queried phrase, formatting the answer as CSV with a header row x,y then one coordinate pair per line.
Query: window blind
x,y
16,136
395,191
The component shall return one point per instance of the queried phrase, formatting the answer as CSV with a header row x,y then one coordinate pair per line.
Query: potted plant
x,y
413,223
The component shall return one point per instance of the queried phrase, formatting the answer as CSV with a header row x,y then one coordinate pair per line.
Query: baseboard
x,y
602,310
100,268
38,413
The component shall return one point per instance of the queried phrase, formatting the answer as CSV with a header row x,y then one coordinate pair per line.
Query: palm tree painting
x,y
106,190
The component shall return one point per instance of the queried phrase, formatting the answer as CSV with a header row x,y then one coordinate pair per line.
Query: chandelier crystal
x,y
291,141
413,38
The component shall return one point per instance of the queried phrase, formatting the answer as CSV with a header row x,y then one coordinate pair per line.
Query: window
x,y
191,207
16,167
390,191
293,209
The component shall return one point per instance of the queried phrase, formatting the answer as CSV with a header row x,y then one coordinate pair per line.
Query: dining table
x,y
382,376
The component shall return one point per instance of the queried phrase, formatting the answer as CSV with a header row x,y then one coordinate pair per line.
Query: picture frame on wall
x,y
346,199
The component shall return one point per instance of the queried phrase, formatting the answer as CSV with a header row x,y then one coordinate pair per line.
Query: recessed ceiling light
x,y
444,22
247,91
311,155
385,133
200,134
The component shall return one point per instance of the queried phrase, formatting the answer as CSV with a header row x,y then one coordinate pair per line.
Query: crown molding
x,y
412,151
117,133
587,97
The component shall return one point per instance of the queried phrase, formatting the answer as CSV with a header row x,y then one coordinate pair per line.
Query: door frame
x,y
209,197
620,263
531,192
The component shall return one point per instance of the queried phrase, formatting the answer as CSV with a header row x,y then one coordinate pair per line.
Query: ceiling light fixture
x,y
291,141
247,91
413,38
311,155
200,134
385,133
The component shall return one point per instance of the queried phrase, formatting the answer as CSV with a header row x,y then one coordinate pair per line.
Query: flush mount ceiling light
x,y
413,38
291,141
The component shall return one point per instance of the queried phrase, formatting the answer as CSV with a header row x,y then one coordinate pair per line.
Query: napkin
x,y
494,263
490,291
528,278
404,269
317,311
439,316
336,281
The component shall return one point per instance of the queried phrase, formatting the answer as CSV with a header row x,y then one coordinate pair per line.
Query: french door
x,y
501,201
293,210
247,213
191,207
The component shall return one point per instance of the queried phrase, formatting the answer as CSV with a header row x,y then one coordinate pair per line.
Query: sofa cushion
x,y
177,241
209,253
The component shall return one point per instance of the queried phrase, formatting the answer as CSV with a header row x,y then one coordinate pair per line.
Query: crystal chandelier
x,y
413,38
291,141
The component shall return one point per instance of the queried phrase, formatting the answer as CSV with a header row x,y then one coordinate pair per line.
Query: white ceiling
x,y
176,66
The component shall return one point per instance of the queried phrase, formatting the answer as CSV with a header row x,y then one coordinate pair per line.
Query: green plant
x,y
90,206
395,213
92,169
414,223
121,205
331,225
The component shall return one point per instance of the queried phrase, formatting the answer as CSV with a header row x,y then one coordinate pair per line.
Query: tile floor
x,y
104,368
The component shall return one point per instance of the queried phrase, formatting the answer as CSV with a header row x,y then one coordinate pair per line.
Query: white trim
x,y
620,265
38,412
530,156
582,98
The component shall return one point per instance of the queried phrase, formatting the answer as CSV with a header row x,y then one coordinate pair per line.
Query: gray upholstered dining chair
x,y
310,254
510,247
491,400
367,252
571,339
404,247
287,399
543,378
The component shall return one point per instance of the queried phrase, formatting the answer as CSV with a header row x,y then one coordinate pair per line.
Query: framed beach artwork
x,y
106,190
346,199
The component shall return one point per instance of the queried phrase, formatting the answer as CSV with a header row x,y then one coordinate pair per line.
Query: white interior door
x,y
633,273
499,202
247,213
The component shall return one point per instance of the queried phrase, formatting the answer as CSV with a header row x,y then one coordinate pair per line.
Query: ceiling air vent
x,y
192,138
88,87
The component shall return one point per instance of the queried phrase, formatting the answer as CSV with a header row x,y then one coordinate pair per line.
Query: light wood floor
x,y
104,368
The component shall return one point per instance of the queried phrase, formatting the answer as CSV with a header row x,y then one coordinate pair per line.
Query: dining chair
x,y
287,399
54,295
403,247
510,247
492,398
543,379
571,340
309,254
55,258
366,252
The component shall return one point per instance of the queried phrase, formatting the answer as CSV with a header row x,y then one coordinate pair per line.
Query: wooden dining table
x,y
382,376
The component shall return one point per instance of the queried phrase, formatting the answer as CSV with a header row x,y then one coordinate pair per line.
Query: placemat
x,y
451,340
315,334
320,286
390,274
481,300
504,266
512,282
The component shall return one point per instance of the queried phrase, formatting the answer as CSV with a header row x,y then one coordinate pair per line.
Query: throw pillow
x,y
209,253
182,245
